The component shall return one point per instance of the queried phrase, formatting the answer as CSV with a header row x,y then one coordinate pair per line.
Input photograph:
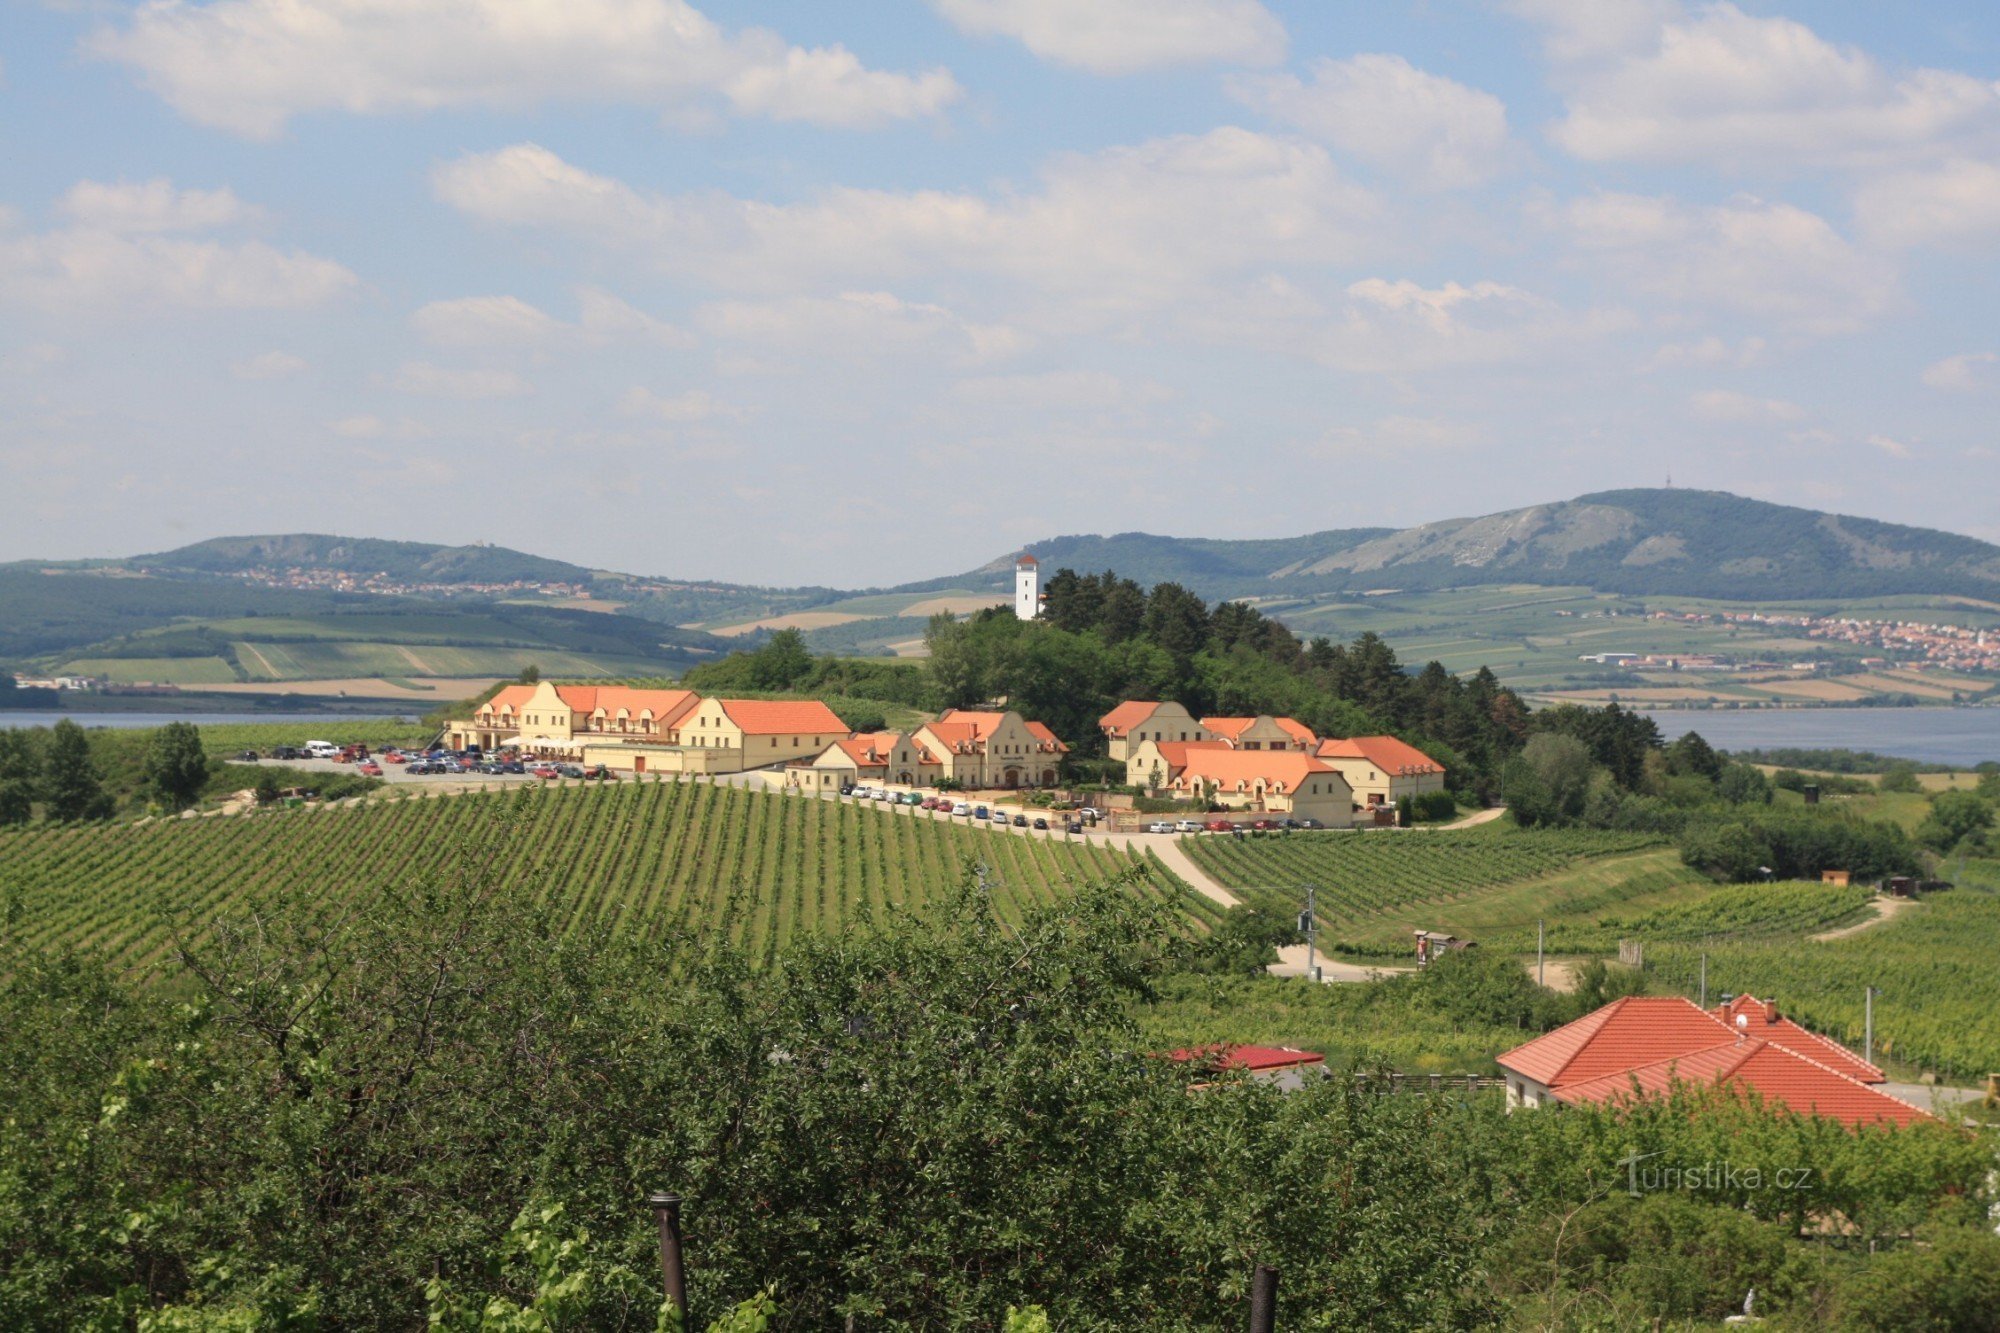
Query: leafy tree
x,y
1691,755
1954,817
530,675
176,766
1550,780
783,663
1177,621
20,771
1900,777
71,786
1740,784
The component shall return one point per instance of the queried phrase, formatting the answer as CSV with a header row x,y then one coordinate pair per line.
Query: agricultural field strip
x,y
649,857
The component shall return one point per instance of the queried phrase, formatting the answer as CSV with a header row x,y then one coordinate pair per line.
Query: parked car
x,y
913,798
1074,826
847,789
1020,821
1042,824
1310,823
961,808
1265,825
287,752
546,771
396,757
929,803
1089,812
570,770
425,766
998,816
980,812
247,757
369,769
321,750
1219,826
1187,826
1160,826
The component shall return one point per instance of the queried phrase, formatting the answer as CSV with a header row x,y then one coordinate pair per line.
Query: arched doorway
x,y
1010,778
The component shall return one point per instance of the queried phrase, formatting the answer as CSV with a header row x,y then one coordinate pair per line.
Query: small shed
x,y
1432,943
1900,886
1839,877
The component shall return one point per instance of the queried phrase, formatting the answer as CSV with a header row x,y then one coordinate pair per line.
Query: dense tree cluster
x,y
54,768
454,1100
1103,639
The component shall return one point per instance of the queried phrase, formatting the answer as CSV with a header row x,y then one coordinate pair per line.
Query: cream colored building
x,y
1153,765
992,749
1262,733
1266,782
884,757
1136,721
648,731
1381,769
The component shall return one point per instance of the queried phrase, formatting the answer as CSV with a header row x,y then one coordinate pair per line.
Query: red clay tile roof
x,y
1624,1034
1781,1077
1234,727
1127,716
770,717
1767,1023
1025,559
1176,752
1385,752
513,696
1240,770
1048,738
1300,732
1252,1058
870,749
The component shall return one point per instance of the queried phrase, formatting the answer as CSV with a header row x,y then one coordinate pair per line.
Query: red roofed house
x,y
659,731
1136,721
988,748
1641,1045
867,757
1262,733
1266,781
1287,1066
1381,769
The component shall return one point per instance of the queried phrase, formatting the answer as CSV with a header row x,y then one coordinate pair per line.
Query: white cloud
x,y
684,408
115,251
151,206
1769,260
1122,36
1954,203
1397,434
605,318
483,321
1710,351
1387,112
1967,372
1127,227
1401,327
1721,86
859,324
369,427
272,365
1727,405
421,377
1061,390
1889,445
248,66
1597,29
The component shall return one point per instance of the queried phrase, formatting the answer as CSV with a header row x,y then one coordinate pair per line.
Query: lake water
x,y
1962,736
48,717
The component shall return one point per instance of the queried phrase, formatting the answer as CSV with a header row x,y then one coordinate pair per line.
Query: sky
x,y
858,292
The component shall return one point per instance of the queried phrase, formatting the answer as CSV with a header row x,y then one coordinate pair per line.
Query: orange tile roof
x,y
1766,1023
769,717
513,696
1782,1077
1636,1030
1385,752
870,749
1239,770
1127,716
1300,732
1176,752
1049,740
1234,727
982,722
664,704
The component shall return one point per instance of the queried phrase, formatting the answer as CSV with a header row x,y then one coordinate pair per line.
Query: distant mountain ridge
x,y
1683,542
410,562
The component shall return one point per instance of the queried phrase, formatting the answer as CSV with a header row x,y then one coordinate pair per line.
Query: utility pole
x,y
1868,1008
1540,959
1704,978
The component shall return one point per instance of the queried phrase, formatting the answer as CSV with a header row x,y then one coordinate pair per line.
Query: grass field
x,y
650,857
152,670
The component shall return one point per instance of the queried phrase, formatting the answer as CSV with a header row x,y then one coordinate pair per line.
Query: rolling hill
x,y
409,562
1688,543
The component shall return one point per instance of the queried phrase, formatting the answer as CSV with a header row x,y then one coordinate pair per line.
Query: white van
x,y
321,750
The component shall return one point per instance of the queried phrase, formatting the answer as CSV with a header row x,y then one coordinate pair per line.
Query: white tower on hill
x,y
1027,587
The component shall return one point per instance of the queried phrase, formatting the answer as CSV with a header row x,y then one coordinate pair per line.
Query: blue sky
x,y
860,293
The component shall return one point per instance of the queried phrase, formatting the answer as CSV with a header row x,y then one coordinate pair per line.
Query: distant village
x,y
1901,643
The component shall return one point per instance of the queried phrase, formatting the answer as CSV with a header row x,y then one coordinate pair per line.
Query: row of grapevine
x,y
644,857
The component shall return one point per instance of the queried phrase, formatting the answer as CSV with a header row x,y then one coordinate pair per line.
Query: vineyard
x,y
1732,912
651,857
1372,890
1934,966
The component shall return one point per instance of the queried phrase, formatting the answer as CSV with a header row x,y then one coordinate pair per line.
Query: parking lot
x,y
399,774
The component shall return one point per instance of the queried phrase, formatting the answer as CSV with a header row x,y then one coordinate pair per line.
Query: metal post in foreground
x,y
1263,1299
1868,1006
672,1271
1540,957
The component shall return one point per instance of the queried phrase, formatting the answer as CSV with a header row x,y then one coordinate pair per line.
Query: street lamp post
x,y
1868,1023
1309,927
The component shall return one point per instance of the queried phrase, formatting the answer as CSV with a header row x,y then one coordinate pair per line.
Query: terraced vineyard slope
x,y
650,857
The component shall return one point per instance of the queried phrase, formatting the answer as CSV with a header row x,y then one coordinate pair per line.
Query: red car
x,y
1219,826
1265,824
397,757
369,769
545,771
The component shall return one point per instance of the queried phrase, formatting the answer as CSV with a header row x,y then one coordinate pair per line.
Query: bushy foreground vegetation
x,y
648,858
452,1098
